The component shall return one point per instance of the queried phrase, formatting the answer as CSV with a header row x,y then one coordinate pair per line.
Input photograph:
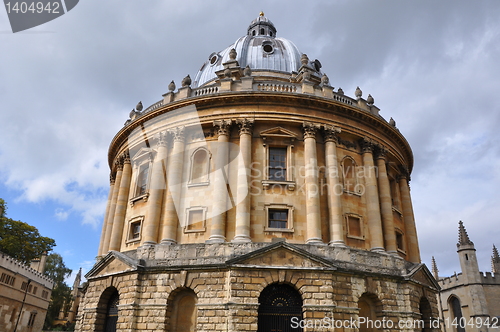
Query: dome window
x,y
253,33
267,47
213,58
261,31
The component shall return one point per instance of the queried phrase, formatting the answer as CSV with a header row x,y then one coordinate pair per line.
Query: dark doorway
x,y
112,313
280,306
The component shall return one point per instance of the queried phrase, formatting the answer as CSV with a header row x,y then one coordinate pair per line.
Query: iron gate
x,y
279,303
112,313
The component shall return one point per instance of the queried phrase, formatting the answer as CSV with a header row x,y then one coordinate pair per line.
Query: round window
x,y
268,48
213,58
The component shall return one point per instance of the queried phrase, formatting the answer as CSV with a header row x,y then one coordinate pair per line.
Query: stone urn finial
x,y
358,93
139,106
392,122
340,91
304,59
232,54
186,81
171,86
370,100
325,80
247,71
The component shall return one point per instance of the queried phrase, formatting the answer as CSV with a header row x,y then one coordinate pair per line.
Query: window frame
x,y
131,223
361,226
191,182
141,158
400,235
191,209
355,177
273,206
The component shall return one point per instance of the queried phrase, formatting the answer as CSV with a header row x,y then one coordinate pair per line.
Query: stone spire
x,y
495,261
463,237
435,271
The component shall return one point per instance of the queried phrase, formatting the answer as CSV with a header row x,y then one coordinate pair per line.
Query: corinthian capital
x,y
310,129
367,145
331,133
223,127
381,152
126,157
161,137
245,126
177,133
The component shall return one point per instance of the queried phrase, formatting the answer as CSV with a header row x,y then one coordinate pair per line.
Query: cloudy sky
x,y
67,86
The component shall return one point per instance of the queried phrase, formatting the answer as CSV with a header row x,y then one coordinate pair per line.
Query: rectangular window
x,y
45,294
354,227
135,230
31,321
24,285
278,218
195,219
399,241
142,180
277,164
35,290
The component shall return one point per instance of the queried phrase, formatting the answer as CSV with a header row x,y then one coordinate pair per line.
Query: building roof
x,y
259,49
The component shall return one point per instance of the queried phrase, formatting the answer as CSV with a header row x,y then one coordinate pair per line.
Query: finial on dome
x,y
171,86
304,59
261,13
358,93
139,106
247,71
325,80
370,100
186,81
232,54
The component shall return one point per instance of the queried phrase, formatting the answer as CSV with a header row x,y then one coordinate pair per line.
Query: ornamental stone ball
x,y
232,54
247,71
171,86
186,81
358,93
370,100
139,106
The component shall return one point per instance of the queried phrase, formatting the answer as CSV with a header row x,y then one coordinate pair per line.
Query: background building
x,y
470,294
254,195
24,295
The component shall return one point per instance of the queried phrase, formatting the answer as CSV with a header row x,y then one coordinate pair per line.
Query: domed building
x,y
256,197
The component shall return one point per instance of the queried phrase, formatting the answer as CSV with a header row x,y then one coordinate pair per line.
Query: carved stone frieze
x,y
245,126
331,133
310,129
177,133
223,127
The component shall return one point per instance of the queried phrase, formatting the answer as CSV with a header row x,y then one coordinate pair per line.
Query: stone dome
x,y
260,49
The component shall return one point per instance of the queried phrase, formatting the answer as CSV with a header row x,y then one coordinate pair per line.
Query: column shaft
x,y
219,207
156,192
173,192
121,206
386,206
313,214
409,220
372,199
106,216
334,189
112,209
242,233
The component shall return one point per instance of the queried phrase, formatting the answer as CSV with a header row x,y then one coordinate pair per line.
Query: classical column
x,y
242,233
371,194
408,217
386,202
121,204
334,187
106,214
220,193
313,215
112,208
174,182
157,187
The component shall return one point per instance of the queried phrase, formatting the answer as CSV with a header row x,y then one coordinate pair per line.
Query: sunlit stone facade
x,y
254,187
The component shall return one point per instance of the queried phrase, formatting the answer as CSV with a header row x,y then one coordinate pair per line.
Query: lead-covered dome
x,y
260,49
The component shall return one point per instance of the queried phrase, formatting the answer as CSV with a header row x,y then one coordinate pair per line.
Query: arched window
x,y
200,166
367,305
280,305
456,311
183,311
253,33
261,31
349,175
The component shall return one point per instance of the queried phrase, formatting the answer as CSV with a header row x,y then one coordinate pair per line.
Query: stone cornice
x,y
349,112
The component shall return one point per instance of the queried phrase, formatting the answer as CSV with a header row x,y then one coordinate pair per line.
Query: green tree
x,y
20,240
61,293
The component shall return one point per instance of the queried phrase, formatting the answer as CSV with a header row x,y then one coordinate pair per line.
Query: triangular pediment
x,y
278,132
421,274
143,153
114,262
282,254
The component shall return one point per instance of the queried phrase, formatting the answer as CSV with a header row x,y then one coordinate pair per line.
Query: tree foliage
x,y
20,240
61,293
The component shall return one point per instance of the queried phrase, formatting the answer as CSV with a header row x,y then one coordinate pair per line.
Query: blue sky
x,y
68,86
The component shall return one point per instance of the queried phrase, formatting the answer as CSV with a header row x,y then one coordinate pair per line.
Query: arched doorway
x,y
279,304
183,310
426,314
112,313
367,305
